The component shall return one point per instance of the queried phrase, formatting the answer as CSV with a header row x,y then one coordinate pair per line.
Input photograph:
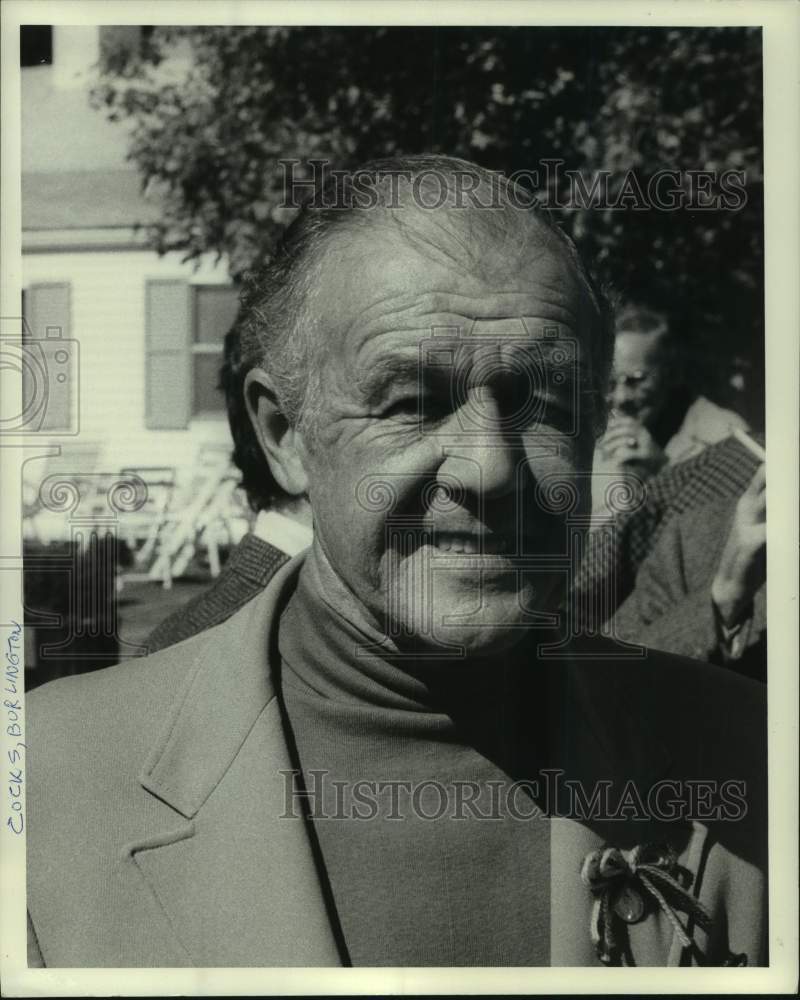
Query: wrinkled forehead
x,y
372,282
487,346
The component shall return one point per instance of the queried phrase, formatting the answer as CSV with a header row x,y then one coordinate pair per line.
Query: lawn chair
x,y
143,530
198,524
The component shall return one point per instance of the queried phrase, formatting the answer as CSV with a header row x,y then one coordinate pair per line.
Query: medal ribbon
x,y
647,869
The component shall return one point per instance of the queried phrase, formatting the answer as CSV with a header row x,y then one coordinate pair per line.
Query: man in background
x,y
281,530
654,419
683,511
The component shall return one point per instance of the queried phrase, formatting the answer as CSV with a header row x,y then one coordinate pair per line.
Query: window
x,y
35,45
214,310
123,44
185,326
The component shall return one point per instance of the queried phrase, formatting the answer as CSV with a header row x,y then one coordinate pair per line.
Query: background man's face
x,y
640,382
448,406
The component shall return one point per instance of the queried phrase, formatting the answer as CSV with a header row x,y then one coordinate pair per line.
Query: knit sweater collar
x,y
347,671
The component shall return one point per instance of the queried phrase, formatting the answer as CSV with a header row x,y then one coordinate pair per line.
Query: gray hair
x,y
277,325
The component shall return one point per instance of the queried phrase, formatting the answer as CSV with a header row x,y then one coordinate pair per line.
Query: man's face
x,y
445,438
639,382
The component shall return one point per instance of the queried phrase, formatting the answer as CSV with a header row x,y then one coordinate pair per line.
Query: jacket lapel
x,y
232,869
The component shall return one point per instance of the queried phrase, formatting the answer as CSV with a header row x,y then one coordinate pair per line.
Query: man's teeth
x,y
469,544
456,543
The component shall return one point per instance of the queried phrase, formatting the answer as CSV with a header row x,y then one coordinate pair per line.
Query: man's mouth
x,y
471,543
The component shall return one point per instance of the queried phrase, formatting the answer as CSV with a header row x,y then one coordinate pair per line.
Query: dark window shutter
x,y
168,373
47,312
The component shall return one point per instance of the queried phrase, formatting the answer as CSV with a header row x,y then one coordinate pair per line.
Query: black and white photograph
x,y
388,392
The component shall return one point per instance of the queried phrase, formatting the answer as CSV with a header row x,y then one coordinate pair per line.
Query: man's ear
x,y
280,442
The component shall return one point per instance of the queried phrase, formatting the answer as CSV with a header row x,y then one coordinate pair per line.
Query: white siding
x,y
108,321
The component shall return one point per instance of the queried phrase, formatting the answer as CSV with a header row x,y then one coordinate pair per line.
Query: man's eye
x,y
558,415
429,407
544,416
403,409
526,411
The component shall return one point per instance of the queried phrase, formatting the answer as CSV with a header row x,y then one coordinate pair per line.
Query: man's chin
x,y
451,610
462,628
459,644
490,641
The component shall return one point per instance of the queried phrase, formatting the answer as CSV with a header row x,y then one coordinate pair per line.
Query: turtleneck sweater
x,y
431,856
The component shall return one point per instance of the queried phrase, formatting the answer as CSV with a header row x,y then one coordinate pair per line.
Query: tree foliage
x,y
210,132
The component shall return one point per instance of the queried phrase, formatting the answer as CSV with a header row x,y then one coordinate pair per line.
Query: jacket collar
x,y
255,559
227,691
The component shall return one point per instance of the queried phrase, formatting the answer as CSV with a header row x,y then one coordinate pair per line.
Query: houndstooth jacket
x,y
607,572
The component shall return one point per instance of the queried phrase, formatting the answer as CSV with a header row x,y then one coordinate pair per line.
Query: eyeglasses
x,y
636,381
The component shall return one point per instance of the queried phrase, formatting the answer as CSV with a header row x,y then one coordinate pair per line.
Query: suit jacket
x,y
670,607
157,833
248,569
607,572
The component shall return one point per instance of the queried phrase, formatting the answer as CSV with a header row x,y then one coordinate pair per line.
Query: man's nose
x,y
621,393
623,398
486,452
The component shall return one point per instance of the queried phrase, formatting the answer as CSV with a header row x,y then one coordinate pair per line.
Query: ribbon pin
x,y
622,882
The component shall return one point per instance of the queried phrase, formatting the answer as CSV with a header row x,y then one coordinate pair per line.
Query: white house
x,y
130,342
141,334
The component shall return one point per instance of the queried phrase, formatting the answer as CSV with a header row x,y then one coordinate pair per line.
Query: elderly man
x,y
655,420
396,755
